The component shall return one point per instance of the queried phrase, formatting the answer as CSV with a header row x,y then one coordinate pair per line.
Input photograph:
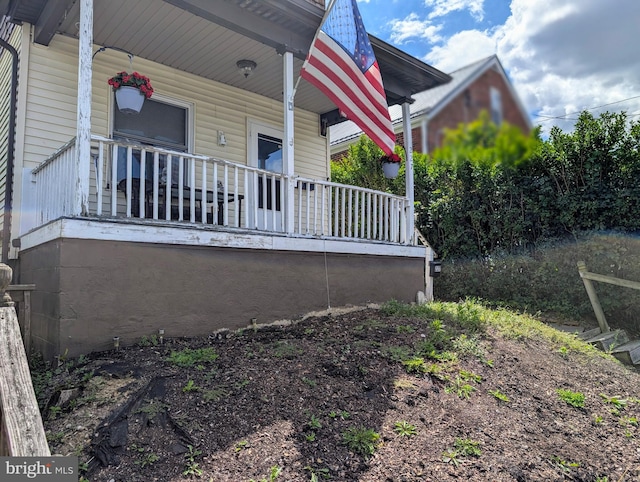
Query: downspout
x,y
8,198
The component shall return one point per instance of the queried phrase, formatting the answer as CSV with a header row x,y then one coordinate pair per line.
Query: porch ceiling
x,y
208,37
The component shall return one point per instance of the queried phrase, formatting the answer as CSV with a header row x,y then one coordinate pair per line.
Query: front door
x,y
266,153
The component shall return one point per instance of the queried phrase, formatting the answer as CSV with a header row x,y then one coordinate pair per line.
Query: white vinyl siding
x,y
51,114
6,65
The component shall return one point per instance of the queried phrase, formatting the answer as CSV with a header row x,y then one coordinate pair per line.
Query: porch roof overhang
x,y
208,37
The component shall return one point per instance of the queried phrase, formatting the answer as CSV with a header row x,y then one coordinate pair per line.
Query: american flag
x,y
342,65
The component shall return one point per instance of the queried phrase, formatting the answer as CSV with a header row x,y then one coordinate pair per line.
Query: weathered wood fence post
x,y
21,429
593,297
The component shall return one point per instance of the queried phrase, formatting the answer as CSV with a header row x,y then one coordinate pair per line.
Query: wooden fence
x,y
588,277
21,429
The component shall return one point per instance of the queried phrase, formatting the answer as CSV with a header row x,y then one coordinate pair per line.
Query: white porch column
x,y
408,149
287,147
83,126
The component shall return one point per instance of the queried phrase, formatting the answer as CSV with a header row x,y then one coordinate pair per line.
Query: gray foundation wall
x,y
89,291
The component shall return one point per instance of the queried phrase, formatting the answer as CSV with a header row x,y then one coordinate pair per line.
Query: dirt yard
x,y
374,395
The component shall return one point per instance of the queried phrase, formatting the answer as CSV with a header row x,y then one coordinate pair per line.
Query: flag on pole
x,y
341,63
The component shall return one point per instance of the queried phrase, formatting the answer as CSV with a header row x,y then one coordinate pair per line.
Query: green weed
x,y
564,465
322,472
617,402
284,349
465,345
415,365
273,475
397,353
404,384
191,466
215,394
363,441
241,445
343,414
460,388
55,438
468,376
190,387
467,447
188,357
314,423
152,408
451,457
575,399
54,411
499,395
405,429
405,329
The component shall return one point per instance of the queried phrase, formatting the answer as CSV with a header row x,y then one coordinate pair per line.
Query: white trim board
x,y
80,228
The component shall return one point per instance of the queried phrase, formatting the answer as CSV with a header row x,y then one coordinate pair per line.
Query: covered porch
x,y
126,232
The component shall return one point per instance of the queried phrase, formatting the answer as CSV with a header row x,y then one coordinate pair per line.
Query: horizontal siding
x,y
6,64
51,113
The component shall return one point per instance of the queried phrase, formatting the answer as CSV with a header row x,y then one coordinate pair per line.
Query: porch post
x,y
83,126
408,149
287,147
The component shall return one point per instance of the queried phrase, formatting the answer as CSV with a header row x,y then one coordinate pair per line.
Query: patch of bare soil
x,y
329,398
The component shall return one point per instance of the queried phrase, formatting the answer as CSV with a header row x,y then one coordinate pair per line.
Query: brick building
x,y
482,85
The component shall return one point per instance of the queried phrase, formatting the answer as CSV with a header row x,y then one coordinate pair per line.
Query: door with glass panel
x,y
266,154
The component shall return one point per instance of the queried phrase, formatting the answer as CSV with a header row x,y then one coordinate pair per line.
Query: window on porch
x,y
159,124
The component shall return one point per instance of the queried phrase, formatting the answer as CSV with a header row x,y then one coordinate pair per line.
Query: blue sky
x,y
562,56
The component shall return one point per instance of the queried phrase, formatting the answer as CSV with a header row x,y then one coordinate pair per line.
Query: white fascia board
x,y
79,228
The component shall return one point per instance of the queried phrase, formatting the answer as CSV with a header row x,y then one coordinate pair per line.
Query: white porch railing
x,y
132,181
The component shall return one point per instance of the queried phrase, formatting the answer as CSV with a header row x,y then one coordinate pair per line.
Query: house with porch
x,y
212,207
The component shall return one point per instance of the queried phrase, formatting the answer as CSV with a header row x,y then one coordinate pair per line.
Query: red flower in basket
x,y
391,158
135,79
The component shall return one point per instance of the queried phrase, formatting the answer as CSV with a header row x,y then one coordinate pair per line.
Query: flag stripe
x,y
359,94
354,85
351,108
332,84
370,84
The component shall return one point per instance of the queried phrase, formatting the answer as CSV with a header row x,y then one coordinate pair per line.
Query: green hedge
x,y
549,282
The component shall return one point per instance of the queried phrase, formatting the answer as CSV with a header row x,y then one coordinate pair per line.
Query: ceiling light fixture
x,y
246,67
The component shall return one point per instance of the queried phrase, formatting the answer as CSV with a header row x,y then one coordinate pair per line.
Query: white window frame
x,y
190,124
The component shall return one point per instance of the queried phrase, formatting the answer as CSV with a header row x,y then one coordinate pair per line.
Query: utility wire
x,y
565,116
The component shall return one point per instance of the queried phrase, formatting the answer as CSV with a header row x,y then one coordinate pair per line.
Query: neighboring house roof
x,y
430,102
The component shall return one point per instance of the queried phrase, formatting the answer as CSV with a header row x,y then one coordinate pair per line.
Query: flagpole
x,y
324,17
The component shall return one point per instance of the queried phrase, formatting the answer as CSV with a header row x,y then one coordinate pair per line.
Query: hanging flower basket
x,y
390,165
131,90
129,100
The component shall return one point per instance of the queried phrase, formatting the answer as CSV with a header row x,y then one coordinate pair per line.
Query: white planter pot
x,y
390,169
129,100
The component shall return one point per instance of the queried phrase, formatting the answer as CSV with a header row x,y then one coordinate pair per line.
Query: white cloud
x,y
461,49
563,56
444,7
570,55
413,27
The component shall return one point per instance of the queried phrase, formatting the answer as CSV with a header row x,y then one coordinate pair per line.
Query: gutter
x,y
8,200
